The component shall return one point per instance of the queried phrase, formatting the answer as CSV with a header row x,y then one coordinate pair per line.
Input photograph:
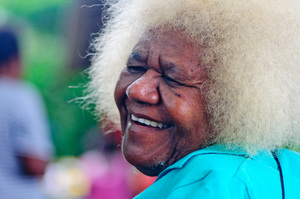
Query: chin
x,y
152,170
147,166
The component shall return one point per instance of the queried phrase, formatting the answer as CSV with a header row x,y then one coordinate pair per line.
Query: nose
x,y
144,89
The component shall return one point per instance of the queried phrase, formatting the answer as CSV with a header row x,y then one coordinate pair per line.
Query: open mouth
x,y
146,122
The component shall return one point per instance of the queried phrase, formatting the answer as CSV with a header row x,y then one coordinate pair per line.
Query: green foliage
x,y
69,121
29,7
42,14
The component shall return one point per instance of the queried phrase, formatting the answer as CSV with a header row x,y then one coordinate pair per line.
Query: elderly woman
x,y
208,94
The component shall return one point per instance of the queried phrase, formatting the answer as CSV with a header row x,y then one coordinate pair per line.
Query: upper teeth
x,y
148,122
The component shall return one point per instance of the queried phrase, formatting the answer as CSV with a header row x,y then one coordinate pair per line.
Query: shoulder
x,y
200,175
290,164
28,90
210,176
17,89
289,158
215,174
27,96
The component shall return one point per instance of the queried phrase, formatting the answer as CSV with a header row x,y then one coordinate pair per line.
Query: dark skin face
x,y
160,101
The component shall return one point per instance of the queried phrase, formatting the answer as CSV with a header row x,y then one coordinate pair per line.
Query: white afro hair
x,y
251,50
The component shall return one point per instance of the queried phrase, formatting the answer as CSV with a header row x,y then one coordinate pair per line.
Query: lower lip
x,y
145,136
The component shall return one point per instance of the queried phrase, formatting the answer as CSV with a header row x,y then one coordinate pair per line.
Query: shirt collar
x,y
214,149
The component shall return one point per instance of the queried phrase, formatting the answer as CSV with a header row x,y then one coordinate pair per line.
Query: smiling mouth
x,y
146,122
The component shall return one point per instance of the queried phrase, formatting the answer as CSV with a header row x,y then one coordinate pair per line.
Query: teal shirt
x,y
218,172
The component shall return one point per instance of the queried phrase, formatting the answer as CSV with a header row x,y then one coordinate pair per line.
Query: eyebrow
x,y
171,66
138,56
174,69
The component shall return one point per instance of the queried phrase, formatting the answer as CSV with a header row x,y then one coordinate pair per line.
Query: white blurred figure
x,y
65,179
25,147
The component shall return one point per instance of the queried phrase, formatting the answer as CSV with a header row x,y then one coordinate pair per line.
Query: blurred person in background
x,y
25,147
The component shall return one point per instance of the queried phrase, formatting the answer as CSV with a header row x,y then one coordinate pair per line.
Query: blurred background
x,y
54,40
53,50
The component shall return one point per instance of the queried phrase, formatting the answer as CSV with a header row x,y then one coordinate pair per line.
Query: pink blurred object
x,y
109,177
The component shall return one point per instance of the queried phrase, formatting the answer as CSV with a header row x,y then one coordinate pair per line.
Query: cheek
x,y
119,92
124,81
120,95
183,107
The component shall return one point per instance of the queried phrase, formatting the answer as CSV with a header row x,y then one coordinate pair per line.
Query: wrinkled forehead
x,y
167,40
168,50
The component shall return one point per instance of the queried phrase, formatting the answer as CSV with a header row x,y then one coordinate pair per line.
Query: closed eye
x,y
136,69
171,82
